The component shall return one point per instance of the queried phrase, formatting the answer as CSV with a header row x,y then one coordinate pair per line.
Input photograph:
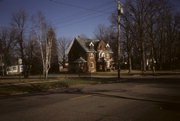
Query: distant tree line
x,y
32,39
150,35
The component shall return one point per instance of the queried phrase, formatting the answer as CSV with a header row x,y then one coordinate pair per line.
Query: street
x,y
129,100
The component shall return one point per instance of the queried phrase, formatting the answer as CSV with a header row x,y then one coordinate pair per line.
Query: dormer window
x,y
107,45
91,45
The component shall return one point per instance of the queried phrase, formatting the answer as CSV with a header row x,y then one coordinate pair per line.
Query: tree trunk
x,y
143,68
130,62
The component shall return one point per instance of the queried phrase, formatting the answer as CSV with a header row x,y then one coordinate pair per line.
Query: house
x,y
89,55
15,69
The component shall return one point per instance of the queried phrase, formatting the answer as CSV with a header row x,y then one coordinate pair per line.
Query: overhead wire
x,y
73,18
79,14
79,21
75,6
82,18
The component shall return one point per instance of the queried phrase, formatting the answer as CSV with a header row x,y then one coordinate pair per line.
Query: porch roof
x,y
80,60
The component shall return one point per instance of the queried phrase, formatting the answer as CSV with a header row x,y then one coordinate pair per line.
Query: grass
x,y
138,72
41,85
28,88
13,85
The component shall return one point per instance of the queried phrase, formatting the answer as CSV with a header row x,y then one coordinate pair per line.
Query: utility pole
x,y
119,38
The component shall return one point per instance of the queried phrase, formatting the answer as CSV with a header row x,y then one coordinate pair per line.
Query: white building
x,y
15,69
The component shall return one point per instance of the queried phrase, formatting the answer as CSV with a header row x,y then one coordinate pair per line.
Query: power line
x,y
79,14
72,17
82,20
75,6
96,13
86,15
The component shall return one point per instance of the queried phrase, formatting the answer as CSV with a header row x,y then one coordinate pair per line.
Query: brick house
x,y
88,55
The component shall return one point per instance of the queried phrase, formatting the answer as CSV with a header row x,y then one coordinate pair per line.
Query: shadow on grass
x,y
100,80
26,89
30,88
7,90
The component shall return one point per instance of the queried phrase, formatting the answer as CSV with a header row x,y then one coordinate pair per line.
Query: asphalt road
x,y
132,100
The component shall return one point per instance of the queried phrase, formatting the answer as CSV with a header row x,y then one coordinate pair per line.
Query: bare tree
x,y
150,32
63,44
54,56
165,36
45,35
138,9
32,54
108,35
7,46
139,19
154,30
18,22
128,42
101,32
104,33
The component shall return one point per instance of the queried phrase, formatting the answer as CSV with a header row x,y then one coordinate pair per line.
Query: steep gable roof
x,y
84,43
80,60
69,47
101,44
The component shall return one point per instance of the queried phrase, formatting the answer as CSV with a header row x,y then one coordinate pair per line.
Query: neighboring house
x,y
15,69
87,55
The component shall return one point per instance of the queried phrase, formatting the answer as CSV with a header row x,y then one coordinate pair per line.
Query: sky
x,y
69,17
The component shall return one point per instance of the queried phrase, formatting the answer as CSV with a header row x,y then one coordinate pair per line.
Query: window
x,y
91,55
107,46
21,68
108,64
91,46
14,67
102,54
92,65
107,55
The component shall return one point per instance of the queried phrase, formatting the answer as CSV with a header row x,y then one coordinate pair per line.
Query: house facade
x,y
15,69
88,55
